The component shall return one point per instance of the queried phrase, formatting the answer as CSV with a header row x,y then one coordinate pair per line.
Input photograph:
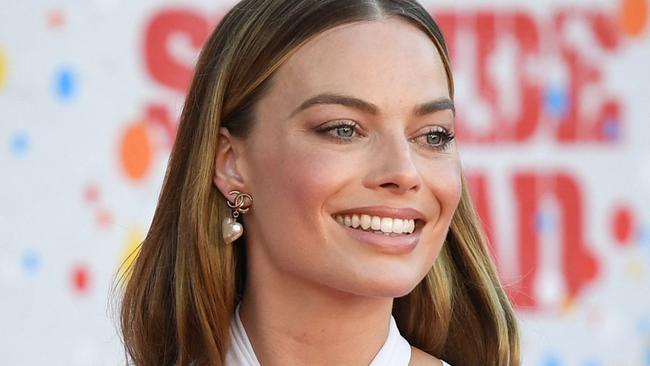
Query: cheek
x,y
294,180
309,176
445,186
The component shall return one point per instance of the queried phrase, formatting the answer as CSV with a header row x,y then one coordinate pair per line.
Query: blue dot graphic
x,y
65,83
556,101
544,222
551,360
643,326
19,143
643,236
31,262
611,130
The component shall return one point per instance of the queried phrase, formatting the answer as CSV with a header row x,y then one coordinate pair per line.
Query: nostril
x,y
389,185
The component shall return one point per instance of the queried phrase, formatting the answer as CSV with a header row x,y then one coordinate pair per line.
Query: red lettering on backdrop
x,y
487,28
579,266
166,68
537,40
523,28
584,75
161,64
478,187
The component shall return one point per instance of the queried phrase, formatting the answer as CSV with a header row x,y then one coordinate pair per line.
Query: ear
x,y
226,175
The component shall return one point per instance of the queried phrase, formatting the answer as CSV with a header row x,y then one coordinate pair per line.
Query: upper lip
x,y
385,211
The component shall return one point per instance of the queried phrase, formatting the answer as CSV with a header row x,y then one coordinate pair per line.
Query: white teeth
x,y
410,226
375,222
398,226
385,225
355,221
365,222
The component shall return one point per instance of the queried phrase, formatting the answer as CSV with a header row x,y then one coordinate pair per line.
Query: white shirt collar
x,y
396,351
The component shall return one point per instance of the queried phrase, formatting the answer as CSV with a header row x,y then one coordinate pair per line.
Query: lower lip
x,y
399,244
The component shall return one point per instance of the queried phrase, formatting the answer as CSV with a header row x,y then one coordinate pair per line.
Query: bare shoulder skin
x,y
421,358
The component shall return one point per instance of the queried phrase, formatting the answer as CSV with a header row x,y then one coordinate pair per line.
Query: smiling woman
x,y
314,210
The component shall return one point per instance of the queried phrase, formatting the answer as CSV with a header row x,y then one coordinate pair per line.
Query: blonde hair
x,y
182,289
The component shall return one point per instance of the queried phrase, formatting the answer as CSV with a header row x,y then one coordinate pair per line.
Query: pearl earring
x,y
230,228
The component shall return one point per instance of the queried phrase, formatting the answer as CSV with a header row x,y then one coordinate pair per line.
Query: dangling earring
x,y
230,228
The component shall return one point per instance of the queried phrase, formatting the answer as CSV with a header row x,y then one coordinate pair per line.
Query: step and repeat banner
x,y
553,101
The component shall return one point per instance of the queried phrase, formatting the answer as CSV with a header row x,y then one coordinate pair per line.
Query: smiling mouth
x,y
386,226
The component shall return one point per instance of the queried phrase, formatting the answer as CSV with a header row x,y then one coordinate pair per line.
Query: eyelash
x,y
446,136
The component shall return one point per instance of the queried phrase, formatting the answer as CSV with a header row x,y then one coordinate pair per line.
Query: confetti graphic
x,y
19,144
622,226
80,279
65,84
556,102
55,19
31,262
136,151
633,16
551,360
130,251
3,68
91,194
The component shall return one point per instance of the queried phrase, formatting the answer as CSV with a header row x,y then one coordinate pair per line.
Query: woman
x,y
321,130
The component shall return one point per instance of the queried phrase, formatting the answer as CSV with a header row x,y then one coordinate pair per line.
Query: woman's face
x,y
356,122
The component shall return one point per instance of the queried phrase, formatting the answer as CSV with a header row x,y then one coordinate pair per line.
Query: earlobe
x,y
226,175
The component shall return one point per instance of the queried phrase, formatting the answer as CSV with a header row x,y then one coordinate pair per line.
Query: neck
x,y
290,322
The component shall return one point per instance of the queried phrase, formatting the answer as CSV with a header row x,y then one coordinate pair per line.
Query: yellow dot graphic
x,y
567,306
3,68
134,237
635,270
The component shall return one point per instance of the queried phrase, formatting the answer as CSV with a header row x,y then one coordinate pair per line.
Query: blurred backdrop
x,y
553,101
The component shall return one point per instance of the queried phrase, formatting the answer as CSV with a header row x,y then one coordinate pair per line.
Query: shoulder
x,y
421,358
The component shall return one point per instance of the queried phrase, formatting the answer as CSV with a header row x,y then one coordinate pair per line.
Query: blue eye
x,y
344,131
341,130
433,139
437,138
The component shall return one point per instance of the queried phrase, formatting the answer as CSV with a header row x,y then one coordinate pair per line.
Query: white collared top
x,y
396,351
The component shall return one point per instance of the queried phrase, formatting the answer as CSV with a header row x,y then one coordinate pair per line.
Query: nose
x,y
393,168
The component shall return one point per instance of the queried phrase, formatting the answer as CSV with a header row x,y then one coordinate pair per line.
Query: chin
x,y
388,286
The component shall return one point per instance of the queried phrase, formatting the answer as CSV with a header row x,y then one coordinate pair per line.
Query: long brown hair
x,y
181,291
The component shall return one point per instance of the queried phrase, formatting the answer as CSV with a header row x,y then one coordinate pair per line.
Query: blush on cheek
x,y
295,186
311,177
446,182
292,178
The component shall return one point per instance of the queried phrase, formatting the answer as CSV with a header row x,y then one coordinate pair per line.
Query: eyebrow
x,y
364,106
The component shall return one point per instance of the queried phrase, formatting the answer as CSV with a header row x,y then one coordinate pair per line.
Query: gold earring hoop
x,y
230,228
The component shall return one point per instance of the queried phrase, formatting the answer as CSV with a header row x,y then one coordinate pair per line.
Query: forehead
x,y
381,61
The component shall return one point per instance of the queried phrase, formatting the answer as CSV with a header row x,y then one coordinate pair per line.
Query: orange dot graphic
x,y
633,16
136,151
